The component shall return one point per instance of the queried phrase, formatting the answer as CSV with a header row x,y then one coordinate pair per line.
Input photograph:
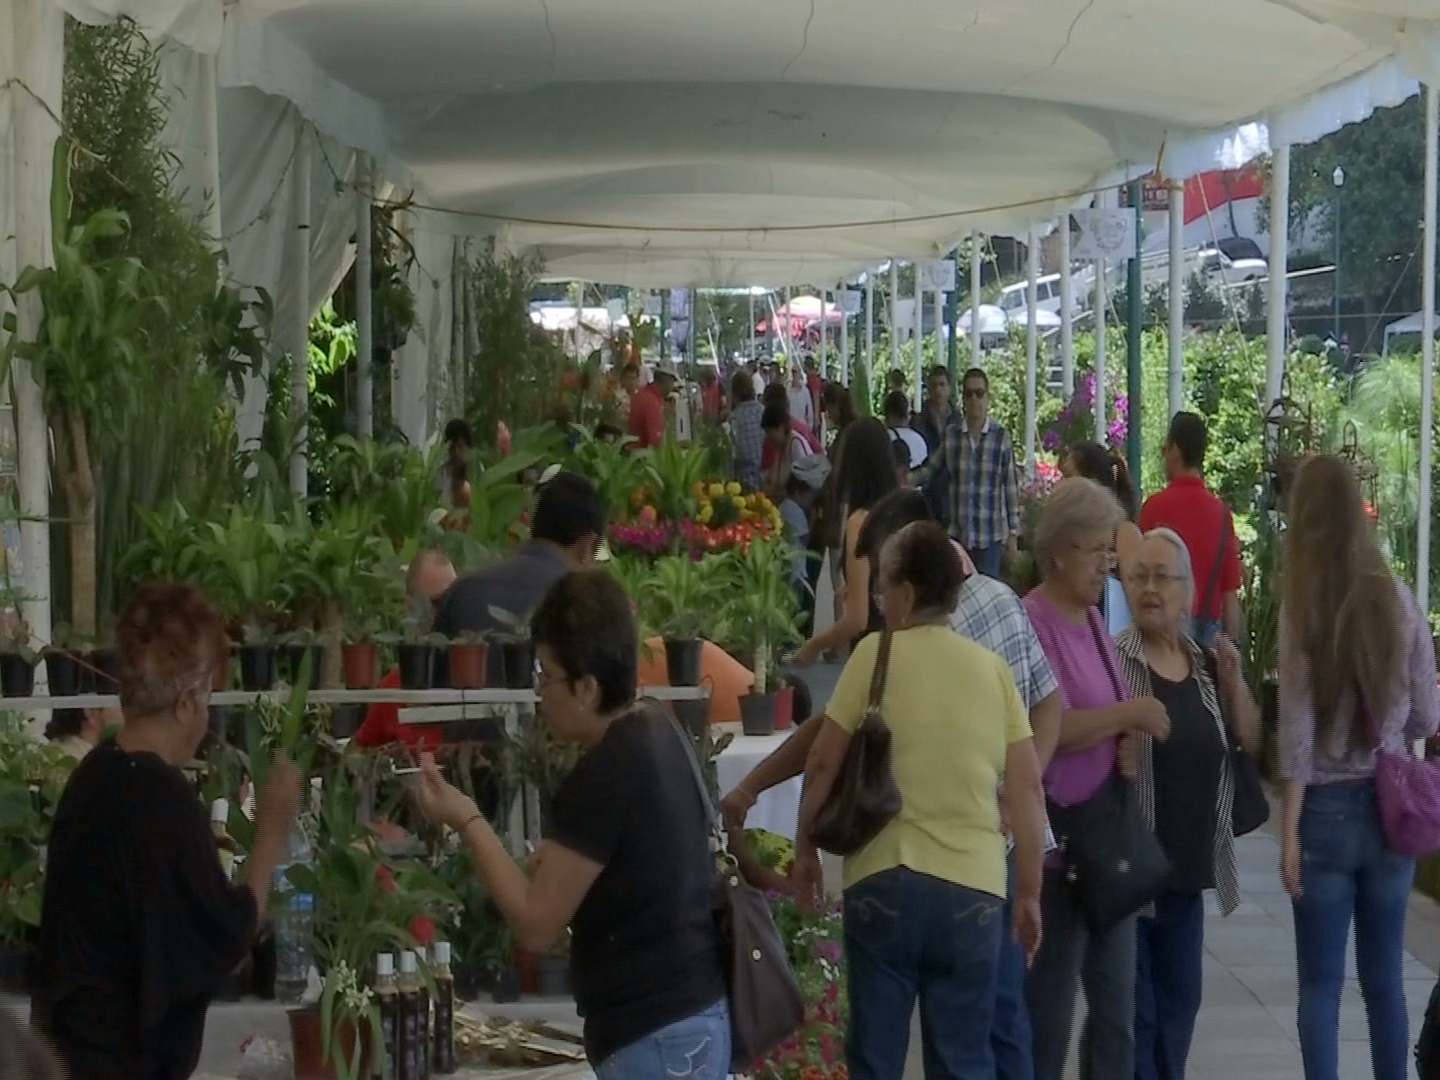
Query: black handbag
x,y
1113,862
766,1003
1427,1048
865,797
1251,808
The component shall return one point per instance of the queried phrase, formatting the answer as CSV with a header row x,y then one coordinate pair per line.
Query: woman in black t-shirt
x,y
626,860
1186,787
139,925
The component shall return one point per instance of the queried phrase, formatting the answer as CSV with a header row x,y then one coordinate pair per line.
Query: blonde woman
x,y
1357,671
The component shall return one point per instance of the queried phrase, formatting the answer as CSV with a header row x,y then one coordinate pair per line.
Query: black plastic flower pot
x,y
417,667
62,671
257,668
552,976
468,981
757,714
507,987
694,716
294,659
682,661
17,675
17,968
101,673
345,720
518,658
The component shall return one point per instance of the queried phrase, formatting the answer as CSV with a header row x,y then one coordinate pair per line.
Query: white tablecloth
x,y
778,809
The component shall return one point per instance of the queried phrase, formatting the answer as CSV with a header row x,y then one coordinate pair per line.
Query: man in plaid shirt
x,y
746,435
977,459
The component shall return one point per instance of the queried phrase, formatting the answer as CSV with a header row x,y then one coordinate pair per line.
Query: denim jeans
x,y
1349,873
909,935
696,1048
1169,950
1072,956
988,560
1010,1030
1204,630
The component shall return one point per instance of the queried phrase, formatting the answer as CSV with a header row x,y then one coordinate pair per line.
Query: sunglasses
x,y
972,392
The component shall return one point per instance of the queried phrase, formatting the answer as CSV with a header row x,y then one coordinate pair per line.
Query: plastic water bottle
x,y
292,923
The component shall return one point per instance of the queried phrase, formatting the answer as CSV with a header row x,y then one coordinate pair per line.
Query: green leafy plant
x,y
762,612
679,595
32,777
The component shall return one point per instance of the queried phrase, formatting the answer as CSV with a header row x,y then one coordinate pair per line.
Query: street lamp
x,y
1338,179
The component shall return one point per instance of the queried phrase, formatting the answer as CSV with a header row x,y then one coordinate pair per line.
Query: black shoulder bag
x,y
1113,862
865,797
766,1003
1251,808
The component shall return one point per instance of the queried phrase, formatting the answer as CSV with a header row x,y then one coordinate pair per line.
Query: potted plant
x,y
516,650
17,663
416,654
62,666
32,777
251,554
294,647
100,671
761,616
360,655
679,594
469,654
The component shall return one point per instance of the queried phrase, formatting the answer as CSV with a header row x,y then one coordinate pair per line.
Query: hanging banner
x,y
848,300
1154,195
937,275
679,303
653,305
1104,234
616,310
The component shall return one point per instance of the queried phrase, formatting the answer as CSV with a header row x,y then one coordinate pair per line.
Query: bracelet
x,y
470,821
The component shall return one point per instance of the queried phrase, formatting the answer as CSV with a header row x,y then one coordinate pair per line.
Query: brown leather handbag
x,y
865,797
766,1003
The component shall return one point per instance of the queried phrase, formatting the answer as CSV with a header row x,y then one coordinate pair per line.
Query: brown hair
x,y
170,638
1339,597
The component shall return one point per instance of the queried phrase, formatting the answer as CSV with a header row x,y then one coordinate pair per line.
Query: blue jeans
x,y
909,935
1349,873
696,1048
1010,1037
1168,984
987,560
1204,630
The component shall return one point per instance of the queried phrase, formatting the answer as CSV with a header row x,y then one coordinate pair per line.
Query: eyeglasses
x,y
1098,554
1142,579
543,681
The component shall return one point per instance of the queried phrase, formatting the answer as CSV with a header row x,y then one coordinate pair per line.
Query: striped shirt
x,y
990,614
984,488
748,440
1136,668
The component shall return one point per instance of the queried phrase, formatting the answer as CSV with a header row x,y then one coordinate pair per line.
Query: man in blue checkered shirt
x,y
746,435
977,459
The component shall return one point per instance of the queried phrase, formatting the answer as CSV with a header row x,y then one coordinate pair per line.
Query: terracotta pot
x,y
525,966
784,708
362,665
306,1043
467,666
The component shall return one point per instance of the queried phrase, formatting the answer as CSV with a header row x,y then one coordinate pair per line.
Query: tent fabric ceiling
x,y
727,142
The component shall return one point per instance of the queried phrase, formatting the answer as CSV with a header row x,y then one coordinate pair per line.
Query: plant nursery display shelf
x,y
348,697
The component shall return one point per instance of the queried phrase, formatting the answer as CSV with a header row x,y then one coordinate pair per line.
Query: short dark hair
x,y
775,416
1188,435
889,516
567,510
895,377
896,405
458,430
776,395
65,723
586,619
937,371
608,431
921,556
975,373
742,386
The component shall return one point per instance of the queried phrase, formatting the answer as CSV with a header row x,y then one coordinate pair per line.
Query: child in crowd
x,y
795,513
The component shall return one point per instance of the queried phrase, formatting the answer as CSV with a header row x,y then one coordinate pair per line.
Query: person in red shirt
x,y
647,407
1204,522
430,575
777,396
712,397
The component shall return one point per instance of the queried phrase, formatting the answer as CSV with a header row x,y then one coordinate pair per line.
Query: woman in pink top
x,y
1073,542
1357,670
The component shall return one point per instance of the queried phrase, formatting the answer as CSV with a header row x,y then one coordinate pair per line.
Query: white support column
x,y
894,315
844,342
1279,259
824,352
39,65
750,304
1177,297
1427,361
1032,345
364,300
917,357
868,357
937,309
1067,310
300,329
207,106
1101,303
974,299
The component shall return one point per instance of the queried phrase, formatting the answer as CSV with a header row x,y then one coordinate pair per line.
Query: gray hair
x,y
1187,570
1075,506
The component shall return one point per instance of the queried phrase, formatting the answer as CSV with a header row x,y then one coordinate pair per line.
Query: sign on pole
x,y
616,310
652,305
848,300
936,275
1154,195
1104,234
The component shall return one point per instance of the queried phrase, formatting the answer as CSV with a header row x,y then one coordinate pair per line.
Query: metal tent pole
x,y
1032,345
918,341
1177,298
1102,301
824,358
1427,361
1134,389
894,315
1279,259
300,342
364,302
952,307
844,341
1067,310
974,302
868,360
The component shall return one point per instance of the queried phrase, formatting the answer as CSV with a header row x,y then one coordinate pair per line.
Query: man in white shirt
x,y
802,405
897,419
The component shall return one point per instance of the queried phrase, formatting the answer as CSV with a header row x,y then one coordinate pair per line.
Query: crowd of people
x,y
1113,682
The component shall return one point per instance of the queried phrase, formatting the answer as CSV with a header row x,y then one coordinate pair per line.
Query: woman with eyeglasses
x,y
1073,542
1108,468
1186,788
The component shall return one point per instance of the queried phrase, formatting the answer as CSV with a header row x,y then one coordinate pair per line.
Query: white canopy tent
x,y
659,144
1410,324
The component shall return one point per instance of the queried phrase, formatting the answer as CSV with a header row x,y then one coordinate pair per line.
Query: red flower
x,y
386,877
422,929
502,438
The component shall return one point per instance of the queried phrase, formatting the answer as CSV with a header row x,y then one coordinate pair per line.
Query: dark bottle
x,y
412,1050
388,998
423,1047
443,1033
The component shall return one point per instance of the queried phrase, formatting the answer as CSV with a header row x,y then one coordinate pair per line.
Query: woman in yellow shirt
x,y
924,899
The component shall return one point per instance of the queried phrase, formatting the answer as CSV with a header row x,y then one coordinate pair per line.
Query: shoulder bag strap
x,y
1115,684
881,672
1215,570
1212,669
712,816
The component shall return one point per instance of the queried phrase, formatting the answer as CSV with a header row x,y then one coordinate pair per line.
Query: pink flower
x,y
502,438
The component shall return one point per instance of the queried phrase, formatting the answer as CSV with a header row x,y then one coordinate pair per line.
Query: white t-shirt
x,y
919,451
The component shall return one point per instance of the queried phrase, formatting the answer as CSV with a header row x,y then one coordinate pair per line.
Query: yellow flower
x,y
732,488
699,489
706,512
717,490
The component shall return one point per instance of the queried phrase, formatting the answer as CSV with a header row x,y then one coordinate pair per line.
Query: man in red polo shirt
x,y
647,407
1204,523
